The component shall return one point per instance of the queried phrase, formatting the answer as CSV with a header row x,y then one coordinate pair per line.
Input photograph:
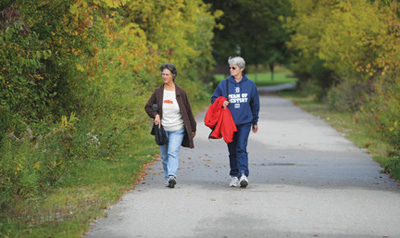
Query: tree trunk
x,y
272,67
255,78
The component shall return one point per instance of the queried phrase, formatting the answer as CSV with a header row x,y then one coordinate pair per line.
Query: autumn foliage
x,y
75,76
348,53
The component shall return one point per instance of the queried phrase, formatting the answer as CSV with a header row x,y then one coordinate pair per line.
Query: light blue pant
x,y
170,152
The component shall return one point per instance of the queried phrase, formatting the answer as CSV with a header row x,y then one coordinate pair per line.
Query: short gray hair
x,y
237,60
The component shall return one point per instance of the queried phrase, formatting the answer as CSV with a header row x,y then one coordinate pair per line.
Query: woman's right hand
x,y
157,121
225,104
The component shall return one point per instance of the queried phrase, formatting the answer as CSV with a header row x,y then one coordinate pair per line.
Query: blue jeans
x,y
170,152
238,159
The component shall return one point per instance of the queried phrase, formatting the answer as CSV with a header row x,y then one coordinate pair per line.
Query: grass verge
x,y
81,197
84,194
348,124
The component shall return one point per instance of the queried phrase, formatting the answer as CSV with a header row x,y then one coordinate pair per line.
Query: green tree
x,y
348,38
91,65
252,29
39,43
358,42
177,31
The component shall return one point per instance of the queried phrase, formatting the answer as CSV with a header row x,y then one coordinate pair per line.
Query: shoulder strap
x,y
227,89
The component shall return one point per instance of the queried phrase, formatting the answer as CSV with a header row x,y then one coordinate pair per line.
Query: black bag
x,y
159,133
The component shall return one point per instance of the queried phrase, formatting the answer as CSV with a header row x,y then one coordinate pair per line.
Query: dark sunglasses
x,y
232,67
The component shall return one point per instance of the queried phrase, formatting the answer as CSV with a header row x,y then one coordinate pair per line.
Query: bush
x,y
350,94
314,77
31,162
383,113
93,58
384,109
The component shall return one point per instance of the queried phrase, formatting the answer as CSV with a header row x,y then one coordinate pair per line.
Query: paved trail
x,y
306,180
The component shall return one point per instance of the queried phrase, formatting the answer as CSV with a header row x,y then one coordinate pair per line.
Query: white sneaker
x,y
171,181
234,182
243,181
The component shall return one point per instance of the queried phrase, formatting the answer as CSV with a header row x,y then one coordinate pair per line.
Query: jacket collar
x,y
177,89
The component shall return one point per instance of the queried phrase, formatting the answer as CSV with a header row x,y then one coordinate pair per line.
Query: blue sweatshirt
x,y
244,103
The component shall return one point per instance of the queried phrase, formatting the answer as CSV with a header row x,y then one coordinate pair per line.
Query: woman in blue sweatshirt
x,y
244,105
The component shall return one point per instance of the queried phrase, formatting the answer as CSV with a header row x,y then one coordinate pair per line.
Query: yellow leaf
x,y
79,67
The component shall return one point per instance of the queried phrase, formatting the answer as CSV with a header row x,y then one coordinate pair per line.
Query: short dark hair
x,y
170,67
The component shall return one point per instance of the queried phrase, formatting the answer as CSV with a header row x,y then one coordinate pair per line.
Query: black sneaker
x,y
171,181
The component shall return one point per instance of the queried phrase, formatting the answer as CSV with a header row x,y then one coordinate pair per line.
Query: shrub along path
x,y
307,180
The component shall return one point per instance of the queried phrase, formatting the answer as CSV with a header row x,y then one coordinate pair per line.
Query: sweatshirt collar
x,y
232,79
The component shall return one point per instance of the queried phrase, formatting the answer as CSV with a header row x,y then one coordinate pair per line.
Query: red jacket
x,y
220,120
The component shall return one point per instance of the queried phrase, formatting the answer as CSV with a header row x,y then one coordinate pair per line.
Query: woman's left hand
x,y
193,134
255,128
